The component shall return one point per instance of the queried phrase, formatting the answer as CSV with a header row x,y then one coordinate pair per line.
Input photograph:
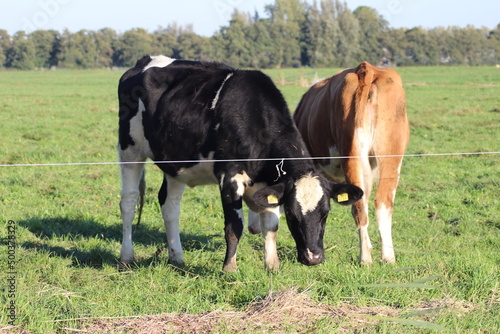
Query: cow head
x,y
306,202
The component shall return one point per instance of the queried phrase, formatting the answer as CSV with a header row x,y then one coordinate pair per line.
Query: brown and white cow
x,y
360,113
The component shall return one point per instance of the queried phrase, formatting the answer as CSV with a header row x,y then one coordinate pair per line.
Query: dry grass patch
x,y
277,313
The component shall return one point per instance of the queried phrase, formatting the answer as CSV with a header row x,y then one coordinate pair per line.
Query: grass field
x,y
68,230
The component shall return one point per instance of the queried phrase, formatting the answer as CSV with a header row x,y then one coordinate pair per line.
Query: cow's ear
x,y
270,197
345,194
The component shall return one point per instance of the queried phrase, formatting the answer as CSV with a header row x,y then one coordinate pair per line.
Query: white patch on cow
x,y
239,212
399,167
221,183
333,170
141,107
384,220
141,148
308,192
241,180
216,98
365,246
200,174
158,61
364,142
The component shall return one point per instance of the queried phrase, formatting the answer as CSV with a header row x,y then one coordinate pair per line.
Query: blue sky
x,y
208,15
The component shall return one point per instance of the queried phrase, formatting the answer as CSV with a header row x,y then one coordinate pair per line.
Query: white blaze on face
x,y
308,192
158,61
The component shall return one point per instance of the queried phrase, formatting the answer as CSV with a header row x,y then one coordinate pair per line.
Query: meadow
x,y
66,278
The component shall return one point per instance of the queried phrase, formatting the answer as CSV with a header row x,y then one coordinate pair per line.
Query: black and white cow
x,y
188,112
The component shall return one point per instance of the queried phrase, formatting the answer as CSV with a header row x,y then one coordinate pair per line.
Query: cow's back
x,y
368,97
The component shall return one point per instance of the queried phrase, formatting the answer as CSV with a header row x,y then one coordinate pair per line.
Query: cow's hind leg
x,y
389,168
132,176
358,172
170,197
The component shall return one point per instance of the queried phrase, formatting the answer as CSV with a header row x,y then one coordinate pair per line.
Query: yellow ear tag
x,y
342,197
271,199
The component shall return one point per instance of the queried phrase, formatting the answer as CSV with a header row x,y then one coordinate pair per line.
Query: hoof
x,y
366,263
389,261
230,268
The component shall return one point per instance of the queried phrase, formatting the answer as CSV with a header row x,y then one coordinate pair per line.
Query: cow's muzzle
x,y
311,258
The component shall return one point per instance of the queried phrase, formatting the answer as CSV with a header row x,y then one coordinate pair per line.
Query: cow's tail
x,y
364,94
140,203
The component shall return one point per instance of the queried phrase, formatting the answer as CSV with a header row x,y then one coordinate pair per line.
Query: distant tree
x,y
311,32
262,44
234,41
473,42
239,47
79,50
22,53
420,48
5,45
396,45
47,47
332,34
166,41
324,33
454,46
105,40
441,37
348,44
373,30
493,46
292,33
285,30
181,42
192,46
133,45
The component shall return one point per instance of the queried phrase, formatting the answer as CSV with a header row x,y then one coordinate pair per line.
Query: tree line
x,y
293,33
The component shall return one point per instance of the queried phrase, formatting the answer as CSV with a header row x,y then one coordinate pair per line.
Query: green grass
x,y
446,222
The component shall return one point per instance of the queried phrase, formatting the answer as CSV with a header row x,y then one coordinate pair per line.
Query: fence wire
x,y
240,160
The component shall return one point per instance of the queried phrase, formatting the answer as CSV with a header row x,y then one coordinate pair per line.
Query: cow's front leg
x,y
231,197
269,224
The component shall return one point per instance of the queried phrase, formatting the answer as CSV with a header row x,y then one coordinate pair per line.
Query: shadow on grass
x,y
54,234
